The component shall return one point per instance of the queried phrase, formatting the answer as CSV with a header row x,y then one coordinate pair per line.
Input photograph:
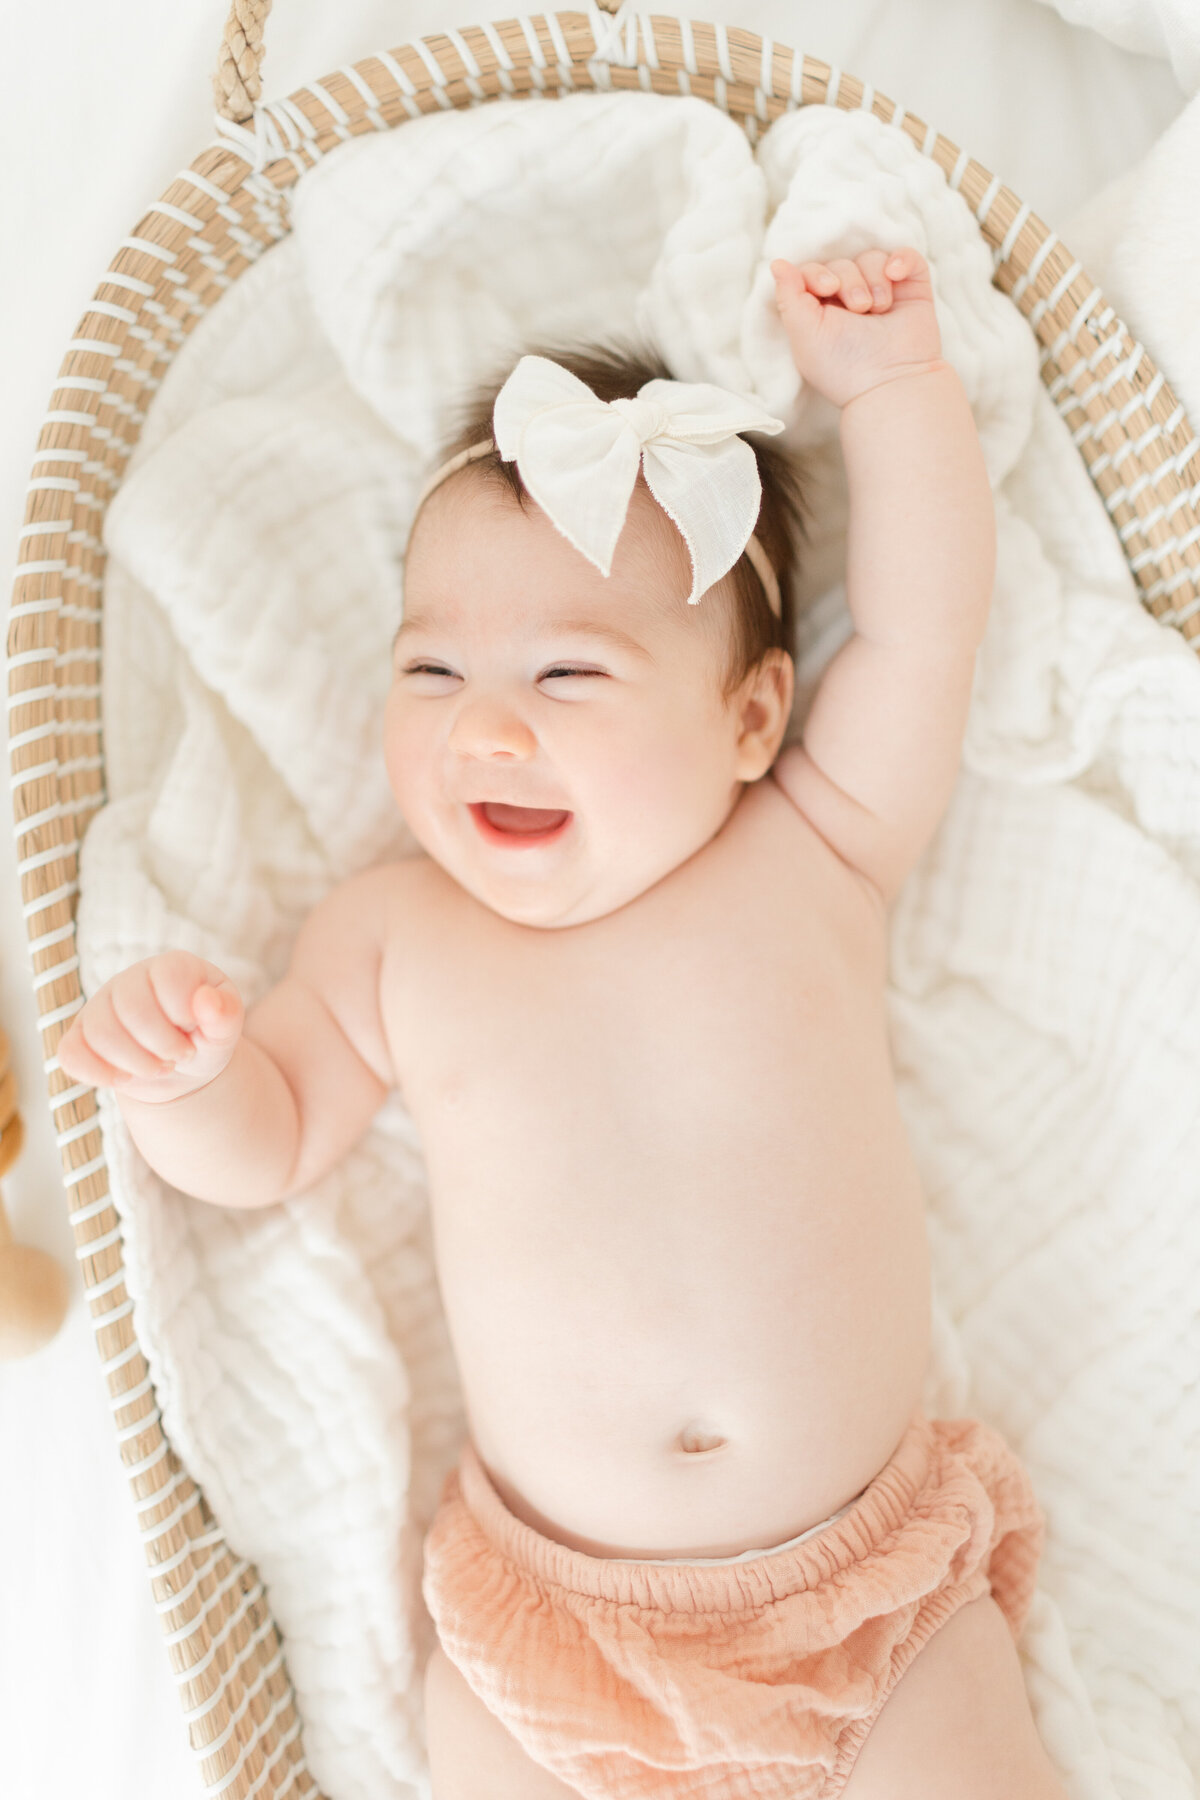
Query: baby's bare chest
x,y
737,1003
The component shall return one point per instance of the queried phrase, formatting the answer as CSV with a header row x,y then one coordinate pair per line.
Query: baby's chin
x,y
558,900
543,906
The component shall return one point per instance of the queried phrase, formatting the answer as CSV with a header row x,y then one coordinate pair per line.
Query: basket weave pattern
x,y
215,219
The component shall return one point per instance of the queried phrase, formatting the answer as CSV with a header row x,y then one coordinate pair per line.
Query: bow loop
x,y
579,458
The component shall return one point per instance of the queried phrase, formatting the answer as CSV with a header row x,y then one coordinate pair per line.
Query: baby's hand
x,y
156,1031
859,321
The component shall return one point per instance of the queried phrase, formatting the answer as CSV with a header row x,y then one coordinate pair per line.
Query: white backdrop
x,y
107,103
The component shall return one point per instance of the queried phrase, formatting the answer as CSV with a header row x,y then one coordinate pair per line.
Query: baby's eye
x,y
561,669
426,669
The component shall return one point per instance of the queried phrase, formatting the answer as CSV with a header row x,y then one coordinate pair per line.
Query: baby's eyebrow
x,y
411,622
592,628
608,633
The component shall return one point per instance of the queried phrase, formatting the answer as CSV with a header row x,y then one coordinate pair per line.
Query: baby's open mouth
x,y
529,823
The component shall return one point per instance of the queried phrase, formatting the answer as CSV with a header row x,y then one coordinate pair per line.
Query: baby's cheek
x,y
406,752
659,783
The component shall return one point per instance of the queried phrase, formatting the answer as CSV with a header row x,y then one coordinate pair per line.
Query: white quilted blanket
x,y
1046,974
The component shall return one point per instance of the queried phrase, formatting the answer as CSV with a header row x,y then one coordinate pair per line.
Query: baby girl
x,y
702,1539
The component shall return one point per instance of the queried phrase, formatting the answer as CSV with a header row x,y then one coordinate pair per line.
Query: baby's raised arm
x,y
244,1112
882,743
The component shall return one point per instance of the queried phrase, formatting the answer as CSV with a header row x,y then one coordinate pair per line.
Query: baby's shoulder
x,y
363,913
408,901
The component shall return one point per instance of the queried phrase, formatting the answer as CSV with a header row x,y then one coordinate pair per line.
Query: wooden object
x,y
33,1287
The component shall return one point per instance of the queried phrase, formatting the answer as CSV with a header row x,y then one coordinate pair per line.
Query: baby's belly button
x,y
697,1438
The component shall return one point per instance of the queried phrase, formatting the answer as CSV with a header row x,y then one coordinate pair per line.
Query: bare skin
x,y
679,1227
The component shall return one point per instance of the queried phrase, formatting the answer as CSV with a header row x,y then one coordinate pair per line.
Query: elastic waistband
x,y
697,1586
703,1562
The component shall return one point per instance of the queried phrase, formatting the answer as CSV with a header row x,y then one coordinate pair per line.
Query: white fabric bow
x,y
579,457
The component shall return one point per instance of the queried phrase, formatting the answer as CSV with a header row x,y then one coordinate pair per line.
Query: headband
x,y
579,456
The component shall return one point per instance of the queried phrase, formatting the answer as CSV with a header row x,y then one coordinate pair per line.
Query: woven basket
x,y
213,222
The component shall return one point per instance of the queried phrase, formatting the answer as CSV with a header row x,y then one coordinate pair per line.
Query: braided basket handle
x,y
237,83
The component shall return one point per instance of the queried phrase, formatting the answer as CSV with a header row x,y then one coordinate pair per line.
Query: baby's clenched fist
x,y
859,321
156,1031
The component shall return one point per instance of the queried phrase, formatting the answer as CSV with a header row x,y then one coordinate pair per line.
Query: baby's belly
x,y
692,1371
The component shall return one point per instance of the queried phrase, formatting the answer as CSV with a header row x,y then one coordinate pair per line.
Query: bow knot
x,y
647,418
579,458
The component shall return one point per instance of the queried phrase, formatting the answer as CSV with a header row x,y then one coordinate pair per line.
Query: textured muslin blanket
x,y
1167,28
1045,993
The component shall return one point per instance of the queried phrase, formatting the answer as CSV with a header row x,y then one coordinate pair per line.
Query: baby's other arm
x,y
882,742
259,1110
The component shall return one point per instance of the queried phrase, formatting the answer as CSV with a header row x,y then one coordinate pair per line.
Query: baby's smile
x,y
518,827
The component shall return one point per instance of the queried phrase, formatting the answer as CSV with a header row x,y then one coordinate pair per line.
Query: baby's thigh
x,y
471,1754
958,1722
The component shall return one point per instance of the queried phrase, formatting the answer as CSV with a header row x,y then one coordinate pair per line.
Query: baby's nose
x,y
487,727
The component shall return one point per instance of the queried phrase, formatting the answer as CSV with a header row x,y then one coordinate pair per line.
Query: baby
x,y
702,1539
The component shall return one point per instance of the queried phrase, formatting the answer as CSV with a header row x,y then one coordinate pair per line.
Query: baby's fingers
x,y
798,306
218,1011
855,294
100,1047
81,1062
136,1004
196,995
906,265
872,267
818,278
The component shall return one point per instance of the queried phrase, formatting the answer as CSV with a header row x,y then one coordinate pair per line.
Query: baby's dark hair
x,y
615,371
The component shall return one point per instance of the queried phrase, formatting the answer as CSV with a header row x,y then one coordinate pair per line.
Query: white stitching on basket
x,y
192,1713
532,39
1051,300
231,1579
114,1314
464,52
610,46
403,81
561,49
985,205
1023,213
504,72
766,76
299,1768
721,38
97,1244
368,94
82,1214
1031,274
436,71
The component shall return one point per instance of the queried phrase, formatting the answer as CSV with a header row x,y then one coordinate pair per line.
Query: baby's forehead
x,y
650,548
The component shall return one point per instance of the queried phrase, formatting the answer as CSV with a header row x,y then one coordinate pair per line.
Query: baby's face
x,y
524,677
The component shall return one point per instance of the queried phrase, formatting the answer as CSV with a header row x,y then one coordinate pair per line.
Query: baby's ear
x,y
764,705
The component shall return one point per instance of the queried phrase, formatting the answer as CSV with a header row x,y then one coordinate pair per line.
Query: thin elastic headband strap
x,y
759,560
